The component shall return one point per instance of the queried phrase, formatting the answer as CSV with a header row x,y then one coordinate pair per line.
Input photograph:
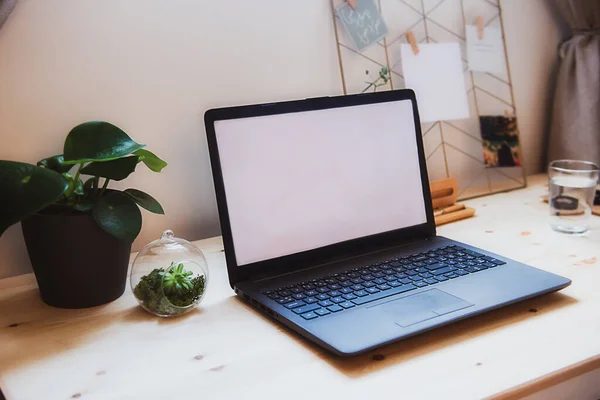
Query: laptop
x,y
328,227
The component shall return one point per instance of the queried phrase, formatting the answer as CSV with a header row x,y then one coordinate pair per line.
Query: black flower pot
x,y
76,263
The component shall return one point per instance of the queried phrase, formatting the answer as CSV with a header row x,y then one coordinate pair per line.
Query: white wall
x,y
153,67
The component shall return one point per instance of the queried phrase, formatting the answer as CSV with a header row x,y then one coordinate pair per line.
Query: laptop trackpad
x,y
420,307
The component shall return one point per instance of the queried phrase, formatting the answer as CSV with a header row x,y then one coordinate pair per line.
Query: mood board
x,y
479,147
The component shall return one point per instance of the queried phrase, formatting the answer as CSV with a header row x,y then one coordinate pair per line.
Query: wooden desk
x,y
226,350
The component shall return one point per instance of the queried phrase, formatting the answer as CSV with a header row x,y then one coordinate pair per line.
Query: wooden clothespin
x,y
351,3
508,113
410,37
480,27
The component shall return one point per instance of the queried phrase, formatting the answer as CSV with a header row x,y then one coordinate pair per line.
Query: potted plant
x,y
77,230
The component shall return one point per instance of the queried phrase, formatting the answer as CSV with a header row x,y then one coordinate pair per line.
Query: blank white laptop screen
x,y
305,180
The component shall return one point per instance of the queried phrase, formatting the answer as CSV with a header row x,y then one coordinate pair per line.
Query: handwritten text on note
x,y
364,23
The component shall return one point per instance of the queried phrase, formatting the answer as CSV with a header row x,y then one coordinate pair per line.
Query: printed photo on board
x,y
500,141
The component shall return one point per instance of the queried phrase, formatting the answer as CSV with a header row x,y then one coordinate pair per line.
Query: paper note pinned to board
x,y
363,23
486,54
436,76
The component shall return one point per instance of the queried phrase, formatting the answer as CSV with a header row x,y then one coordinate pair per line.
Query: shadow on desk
x,y
448,335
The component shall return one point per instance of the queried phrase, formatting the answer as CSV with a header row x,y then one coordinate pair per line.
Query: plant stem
x,y
76,178
96,182
104,187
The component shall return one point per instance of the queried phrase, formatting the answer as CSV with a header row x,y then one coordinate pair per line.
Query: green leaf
x,y
116,169
97,141
26,189
84,206
74,187
118,215
55,163
151,160
145,200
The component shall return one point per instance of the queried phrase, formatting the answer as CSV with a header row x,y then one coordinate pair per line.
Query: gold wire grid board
x,y
452,148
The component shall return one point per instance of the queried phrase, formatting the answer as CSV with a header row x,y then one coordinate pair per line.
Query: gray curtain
x,y
575,124
6,7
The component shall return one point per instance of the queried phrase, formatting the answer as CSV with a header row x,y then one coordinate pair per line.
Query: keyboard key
x,y
357,287
378,274
411,273
460,272
372,290
416,278
346,290
342,278
379,281
385,266
443,270
405,280
498,262
330,281
347,304
326,303
323,289
368,284
284,293
310,300
368,277
311,293
361,293
349,296
334,293
294,304
395,283
383,287
441,278
308,287
357,281
489,264
421,258
296,290
353,275
346,283
451,275
420,284
322,296
306,308
390,278
335,308
322,311
381,295
284,300
471,269
309,315
319,284
273,295
389,272
425,275
431,281
298,296
335,287
337,299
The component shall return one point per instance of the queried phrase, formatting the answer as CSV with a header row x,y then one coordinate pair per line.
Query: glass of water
x,y
572,187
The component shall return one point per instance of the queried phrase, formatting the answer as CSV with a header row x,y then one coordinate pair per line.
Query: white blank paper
x,y
487,54
436,76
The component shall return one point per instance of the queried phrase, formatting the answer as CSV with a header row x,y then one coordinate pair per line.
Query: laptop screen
x,y
299,181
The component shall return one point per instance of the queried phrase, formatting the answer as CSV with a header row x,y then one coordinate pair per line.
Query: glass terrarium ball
x,y
169,276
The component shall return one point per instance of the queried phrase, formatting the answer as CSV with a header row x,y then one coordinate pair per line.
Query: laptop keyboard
x,y
357,286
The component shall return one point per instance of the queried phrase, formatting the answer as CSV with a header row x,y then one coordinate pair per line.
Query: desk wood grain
x,y
226,350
